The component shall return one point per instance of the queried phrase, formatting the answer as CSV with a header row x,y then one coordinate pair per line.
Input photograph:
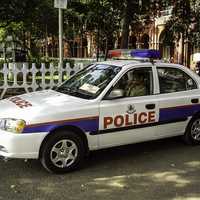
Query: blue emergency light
x,y
146,53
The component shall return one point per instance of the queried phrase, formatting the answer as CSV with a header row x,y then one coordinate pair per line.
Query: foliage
x,y
180,22
101,18
138,14
194,36
28,21
2,34
105,18
32,20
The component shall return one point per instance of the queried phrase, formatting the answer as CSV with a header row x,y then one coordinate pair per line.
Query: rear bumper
x,y
23,145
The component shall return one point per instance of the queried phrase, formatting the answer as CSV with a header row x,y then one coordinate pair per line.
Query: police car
x,y
106,104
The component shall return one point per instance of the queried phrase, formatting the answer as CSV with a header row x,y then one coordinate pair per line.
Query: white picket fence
x,y
32,78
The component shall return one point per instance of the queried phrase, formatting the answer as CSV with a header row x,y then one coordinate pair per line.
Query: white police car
x,y
101,106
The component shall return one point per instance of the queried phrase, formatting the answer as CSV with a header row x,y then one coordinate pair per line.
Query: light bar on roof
x,y
146,53
134,53
114,53
119,53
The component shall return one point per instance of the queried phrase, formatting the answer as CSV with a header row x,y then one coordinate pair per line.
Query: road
x,y
165,169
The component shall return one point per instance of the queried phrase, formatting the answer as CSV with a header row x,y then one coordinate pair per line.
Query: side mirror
x,y
116,93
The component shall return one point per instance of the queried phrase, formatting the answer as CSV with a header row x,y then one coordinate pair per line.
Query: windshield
x,y
89,82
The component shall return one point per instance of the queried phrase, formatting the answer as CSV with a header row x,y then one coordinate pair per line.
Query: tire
x,y
192,134
63,152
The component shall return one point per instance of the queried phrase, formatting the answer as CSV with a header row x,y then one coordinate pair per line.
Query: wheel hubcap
x,y
64,153
195,130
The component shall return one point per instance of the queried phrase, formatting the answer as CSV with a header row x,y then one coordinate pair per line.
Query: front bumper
x,y
25,145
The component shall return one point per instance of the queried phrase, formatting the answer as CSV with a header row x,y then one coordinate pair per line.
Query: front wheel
x,y
63,152
192,134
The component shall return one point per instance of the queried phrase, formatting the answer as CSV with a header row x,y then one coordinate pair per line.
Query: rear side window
x,y
174,80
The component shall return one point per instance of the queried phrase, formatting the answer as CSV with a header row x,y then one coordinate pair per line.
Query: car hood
x,y
33,106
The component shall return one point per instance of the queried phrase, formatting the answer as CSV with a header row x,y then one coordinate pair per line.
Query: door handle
x,y
150,106
195,100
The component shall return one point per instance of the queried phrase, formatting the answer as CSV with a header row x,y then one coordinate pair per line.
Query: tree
x,y
74,22
105,18
179,25
102,18
28,21
194,36
138,14
129,15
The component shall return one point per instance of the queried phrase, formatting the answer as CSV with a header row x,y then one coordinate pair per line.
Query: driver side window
x,y
136,82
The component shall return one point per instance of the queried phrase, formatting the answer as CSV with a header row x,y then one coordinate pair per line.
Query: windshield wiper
x,y
68,90
74,92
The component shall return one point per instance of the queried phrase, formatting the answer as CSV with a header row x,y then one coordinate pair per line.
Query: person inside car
x,y
135,86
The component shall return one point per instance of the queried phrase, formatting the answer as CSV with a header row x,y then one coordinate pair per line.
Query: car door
x,y
177,99
132,117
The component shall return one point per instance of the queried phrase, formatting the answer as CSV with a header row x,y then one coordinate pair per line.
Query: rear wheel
x,y
63,152
192,134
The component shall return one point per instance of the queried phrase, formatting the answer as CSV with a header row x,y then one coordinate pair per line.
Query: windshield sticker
x,y
20,102
89,88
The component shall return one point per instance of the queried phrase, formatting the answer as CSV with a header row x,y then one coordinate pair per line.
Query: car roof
x,y
119,63
122,63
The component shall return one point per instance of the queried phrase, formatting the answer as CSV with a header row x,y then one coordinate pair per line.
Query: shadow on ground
x,y
165,169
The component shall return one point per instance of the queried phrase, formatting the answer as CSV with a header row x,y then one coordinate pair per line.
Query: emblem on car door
x,y
131,109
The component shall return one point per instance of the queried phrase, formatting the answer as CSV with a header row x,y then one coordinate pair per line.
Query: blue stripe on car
x,y
85,124
173,113
91,124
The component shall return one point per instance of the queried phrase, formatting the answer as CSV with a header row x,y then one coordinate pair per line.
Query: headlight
x,y
12,125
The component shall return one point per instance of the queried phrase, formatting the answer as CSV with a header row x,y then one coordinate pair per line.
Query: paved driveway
x,y
165,169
